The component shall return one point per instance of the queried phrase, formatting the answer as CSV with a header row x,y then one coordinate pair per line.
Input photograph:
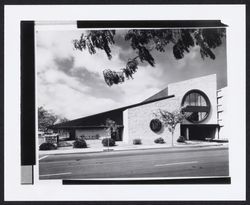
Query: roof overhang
x,y
80,127
65,126
200,125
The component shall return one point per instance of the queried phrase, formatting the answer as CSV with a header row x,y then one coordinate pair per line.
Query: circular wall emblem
x,y
155,125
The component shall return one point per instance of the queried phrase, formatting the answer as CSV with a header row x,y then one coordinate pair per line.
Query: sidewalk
x,y
126,147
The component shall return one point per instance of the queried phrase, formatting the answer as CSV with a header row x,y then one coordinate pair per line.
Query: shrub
x,y
159,140
181,139
108,142
137,141
47,146
80,143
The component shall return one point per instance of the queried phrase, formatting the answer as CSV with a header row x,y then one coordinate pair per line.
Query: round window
x,y
155,125
197,106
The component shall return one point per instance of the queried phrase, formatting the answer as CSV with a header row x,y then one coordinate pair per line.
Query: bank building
x,y
204,104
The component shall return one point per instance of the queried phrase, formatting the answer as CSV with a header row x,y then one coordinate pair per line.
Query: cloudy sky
x,y
70,82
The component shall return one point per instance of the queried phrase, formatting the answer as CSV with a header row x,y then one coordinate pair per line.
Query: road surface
x,y
140,163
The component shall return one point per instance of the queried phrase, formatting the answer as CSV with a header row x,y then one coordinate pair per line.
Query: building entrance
x,y
199,132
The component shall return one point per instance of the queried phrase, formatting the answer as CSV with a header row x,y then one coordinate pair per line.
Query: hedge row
x,y
107,142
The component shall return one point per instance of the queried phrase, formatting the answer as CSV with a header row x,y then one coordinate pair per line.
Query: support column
x,y
187,133
125,136
216,133
72,134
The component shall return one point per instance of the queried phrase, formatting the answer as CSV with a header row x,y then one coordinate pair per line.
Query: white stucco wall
x,y
138,118
125,136
63,134
206,84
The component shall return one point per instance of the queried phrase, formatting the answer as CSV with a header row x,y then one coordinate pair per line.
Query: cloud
x,y
120,40
70,82
68,102
65,64
69,97
87,78
168,69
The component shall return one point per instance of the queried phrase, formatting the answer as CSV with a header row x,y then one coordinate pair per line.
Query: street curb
x,y
170,149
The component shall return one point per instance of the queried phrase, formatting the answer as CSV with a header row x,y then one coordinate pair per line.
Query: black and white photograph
x,y
124,103
132,103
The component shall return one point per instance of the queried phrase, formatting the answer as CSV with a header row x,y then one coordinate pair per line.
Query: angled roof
x,y
163,93
98,120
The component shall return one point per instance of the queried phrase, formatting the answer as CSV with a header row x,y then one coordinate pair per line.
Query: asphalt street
x,y
140,163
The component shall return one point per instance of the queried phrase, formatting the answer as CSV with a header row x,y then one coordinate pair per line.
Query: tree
x,y
63,119
145,41
47,118
111,127
171,119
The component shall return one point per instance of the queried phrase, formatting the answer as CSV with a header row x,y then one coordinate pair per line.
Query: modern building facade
x,y
204,105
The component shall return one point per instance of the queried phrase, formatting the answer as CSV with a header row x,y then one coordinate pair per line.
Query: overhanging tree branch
x,y
144,41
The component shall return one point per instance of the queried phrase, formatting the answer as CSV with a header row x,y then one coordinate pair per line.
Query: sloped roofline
x,y
64,124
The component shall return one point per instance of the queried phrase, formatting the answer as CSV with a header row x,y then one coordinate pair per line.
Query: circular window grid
x,y
197,106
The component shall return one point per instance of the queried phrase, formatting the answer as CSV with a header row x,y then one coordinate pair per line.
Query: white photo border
x,y
54,190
